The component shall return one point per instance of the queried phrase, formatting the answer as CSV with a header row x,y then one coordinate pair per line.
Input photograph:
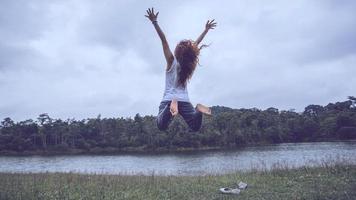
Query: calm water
x,y
193,163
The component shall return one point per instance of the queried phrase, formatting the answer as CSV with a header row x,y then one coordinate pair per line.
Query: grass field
x,y
327,182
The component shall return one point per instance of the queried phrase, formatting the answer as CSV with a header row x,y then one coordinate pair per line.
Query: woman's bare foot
x,y
203,109
174,107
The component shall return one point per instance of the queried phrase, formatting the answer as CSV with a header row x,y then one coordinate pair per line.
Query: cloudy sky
x,y
81,58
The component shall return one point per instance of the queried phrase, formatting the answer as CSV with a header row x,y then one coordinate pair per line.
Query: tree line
x,y
226,128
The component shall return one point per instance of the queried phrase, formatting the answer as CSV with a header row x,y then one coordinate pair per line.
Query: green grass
x,y
327,182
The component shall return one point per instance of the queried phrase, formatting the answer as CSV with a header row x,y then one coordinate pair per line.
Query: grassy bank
x,y
327,182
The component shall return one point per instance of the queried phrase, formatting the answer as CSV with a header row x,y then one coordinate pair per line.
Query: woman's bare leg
x,y
203,109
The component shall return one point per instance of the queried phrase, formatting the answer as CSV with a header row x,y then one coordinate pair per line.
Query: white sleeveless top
x,y
172,90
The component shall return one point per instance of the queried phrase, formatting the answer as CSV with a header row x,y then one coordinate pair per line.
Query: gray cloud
x,y
82,58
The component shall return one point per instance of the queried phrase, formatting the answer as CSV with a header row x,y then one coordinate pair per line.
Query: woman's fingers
x,y
149,11
151,14
212,21
211,24
173,111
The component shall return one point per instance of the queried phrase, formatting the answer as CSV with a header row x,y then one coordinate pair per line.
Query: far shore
x,y
138,150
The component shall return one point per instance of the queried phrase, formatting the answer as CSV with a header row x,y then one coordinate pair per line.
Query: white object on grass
x,y
230,191
242,185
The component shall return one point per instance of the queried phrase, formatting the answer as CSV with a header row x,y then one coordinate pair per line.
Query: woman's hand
x,y
174,107
210,25
151,15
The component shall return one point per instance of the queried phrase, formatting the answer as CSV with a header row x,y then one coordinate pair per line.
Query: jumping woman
x,y
180,68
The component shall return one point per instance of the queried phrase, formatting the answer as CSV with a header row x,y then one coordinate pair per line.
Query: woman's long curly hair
x,y
187,55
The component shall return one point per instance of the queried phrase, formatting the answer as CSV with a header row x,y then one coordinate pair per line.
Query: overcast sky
x,y
81,58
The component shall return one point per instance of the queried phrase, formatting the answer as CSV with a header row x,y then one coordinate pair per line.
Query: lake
x,y
188,163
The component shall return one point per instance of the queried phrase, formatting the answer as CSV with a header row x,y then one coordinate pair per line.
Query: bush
x,y
347,132
62,147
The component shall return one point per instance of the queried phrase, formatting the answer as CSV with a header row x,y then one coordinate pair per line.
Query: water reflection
x,y
192,163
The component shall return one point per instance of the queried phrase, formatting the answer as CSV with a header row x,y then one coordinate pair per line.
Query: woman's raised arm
x,y
209,25
166,50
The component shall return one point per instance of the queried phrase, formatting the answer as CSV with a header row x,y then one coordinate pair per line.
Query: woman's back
x,y
172,89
